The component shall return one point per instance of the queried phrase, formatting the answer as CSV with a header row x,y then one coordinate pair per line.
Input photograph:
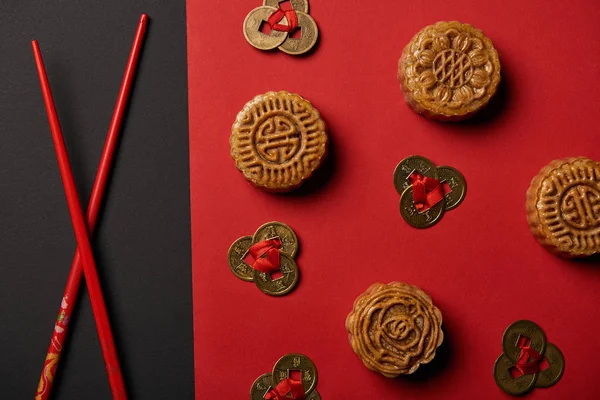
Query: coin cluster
x,y
271,26
527,360
282,384
242,269
442,189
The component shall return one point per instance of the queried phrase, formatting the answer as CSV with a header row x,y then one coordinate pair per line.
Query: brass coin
x,y
409,165
296,362
505,381
457,183
520,328
279,286
271,230
235,258
416,219
551,375
297,5
309,33
261,386
255,37
314,395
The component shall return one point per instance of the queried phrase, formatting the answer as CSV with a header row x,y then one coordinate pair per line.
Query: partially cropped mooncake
x,y
563,207
278,140
394,328
449,71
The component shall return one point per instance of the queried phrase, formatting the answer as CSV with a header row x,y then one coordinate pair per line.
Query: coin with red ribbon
x,y
282,24
286,389
297,5
527,360
427,191
294,376
304,369
267,258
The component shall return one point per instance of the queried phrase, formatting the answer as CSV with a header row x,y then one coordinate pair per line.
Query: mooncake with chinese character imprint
x,y
563,207
394,328
278,140
449,71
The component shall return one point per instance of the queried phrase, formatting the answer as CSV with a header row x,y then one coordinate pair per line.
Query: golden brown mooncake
x,y
394,328
563,207
449,71
278,140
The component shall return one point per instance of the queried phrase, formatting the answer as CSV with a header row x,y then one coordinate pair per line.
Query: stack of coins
x,y
452,183
270,26
524,347
289,248
276,384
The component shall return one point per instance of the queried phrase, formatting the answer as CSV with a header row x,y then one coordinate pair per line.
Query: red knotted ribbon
x,y
285,387
275,19
529,359
264,256
427,192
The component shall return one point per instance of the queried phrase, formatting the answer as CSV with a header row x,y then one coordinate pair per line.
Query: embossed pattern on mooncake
x,y
394,328
449,71
563,207
278,140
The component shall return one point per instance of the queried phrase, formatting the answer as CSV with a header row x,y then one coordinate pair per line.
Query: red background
x,y
480,264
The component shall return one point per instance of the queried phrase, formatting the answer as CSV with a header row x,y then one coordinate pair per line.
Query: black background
x,y
142,246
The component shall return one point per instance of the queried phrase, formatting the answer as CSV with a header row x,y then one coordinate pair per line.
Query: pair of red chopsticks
x,y
83,256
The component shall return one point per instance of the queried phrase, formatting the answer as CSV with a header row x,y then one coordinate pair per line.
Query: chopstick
x,y
74,281
107,344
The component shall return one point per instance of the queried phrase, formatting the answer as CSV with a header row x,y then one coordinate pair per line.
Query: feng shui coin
x,y
255,37
261,386
413,217
314,395
296,362
235,257
504,380
309,33
298,5
527,329
551,375
409,165
271,230
457,183
282,285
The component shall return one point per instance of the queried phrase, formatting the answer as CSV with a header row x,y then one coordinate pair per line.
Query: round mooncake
x,y
278,140
394,328
563,207
449,71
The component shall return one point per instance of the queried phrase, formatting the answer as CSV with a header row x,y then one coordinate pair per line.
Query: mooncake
x,y
563,207
394,328
278,140
449,71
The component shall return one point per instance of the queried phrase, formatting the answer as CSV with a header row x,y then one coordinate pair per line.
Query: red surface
x,y
481,264
70,296
80,227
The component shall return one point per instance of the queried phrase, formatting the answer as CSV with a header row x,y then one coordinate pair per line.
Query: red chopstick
x,y
74,281
83,241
